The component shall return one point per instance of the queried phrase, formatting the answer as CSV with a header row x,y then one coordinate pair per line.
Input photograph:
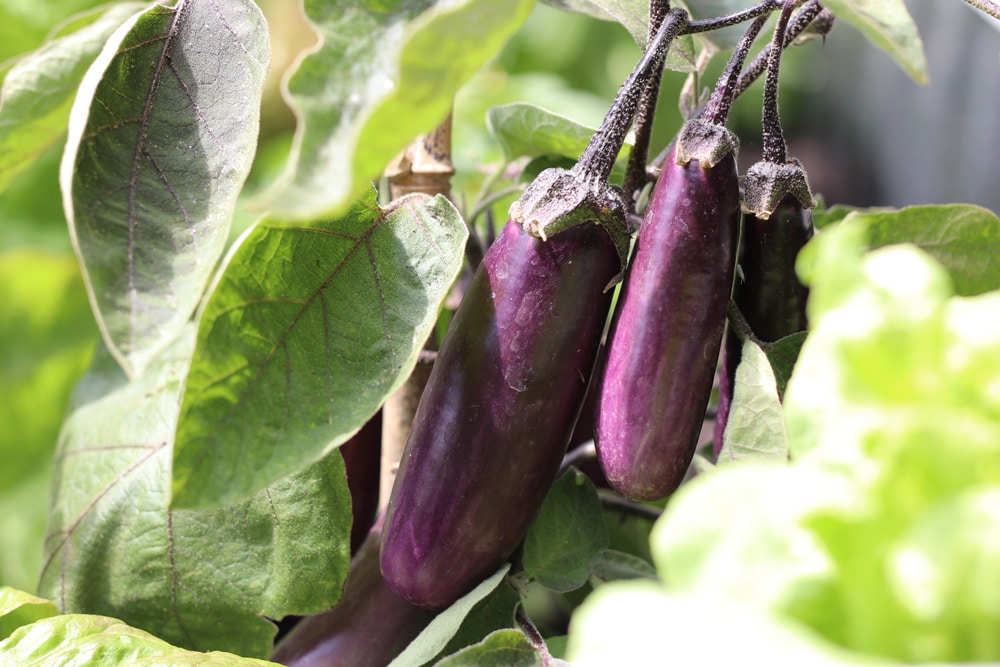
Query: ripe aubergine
x,y
498,411
665,335
370,625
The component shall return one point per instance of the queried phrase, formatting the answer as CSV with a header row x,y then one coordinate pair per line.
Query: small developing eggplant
x,y
659,364
509,380
370,625
362,461
498,411
777,223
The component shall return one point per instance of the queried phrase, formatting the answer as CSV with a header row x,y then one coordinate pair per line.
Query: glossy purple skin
x,y
370,625
363,463
768,292
498,411
665,336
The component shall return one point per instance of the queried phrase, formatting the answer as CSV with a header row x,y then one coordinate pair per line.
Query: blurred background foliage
x,y
866,133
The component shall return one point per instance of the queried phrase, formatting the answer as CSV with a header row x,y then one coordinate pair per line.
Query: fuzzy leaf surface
x,y
566,538
308,330
756,427
38,90
503,648
889,26
161,137
203,580
381,75
84,639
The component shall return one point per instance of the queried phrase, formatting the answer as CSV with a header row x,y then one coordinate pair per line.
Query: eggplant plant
x,y
278,388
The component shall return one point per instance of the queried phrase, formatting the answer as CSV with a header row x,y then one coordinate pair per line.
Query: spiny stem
x,y
599,158
987,6
760,9
717,109
774,149
810,12
635,172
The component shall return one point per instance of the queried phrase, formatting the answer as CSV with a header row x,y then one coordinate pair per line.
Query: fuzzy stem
x,y
599,157
774,149
760,9
635,173
811,11
987,6
717,109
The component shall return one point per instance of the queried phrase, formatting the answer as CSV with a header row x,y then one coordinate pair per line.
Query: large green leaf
x,y
161,137
82,639
38,90
568,535
382,74
203,580
964,238
307,332
755,430
889,26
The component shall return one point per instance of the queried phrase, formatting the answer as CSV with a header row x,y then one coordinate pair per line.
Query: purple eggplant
x,y
370,625
498,411
363,462
667,329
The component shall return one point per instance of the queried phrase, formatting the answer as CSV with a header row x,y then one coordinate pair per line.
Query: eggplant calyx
x,y
766,184
706,142
559,199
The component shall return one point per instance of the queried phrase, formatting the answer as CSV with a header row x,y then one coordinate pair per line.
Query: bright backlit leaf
x,y
381,75
756,427
889,26
161,137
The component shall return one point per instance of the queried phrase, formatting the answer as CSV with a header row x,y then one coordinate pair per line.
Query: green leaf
x,y
81,639
964,238
612,565
782,354
495,612
889,26
526,130
633,15
18,608
445,625
38,90
161,137
202,580
23,513
380,77
756,427
567,536
503,648
636,623
305,334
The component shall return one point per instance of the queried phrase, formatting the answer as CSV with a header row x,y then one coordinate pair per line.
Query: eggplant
x,y
500,405
665,335
363,463
370,625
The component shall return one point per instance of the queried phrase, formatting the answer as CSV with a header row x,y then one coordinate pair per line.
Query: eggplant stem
x,y
717,109
599,157
987,6
810,13
774,148
760,9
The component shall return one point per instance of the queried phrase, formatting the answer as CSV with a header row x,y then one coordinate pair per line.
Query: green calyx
x,y
706,142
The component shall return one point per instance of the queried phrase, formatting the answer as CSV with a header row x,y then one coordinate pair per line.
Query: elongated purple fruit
x,y
498,411
667,329
370,625
362,461
767,291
